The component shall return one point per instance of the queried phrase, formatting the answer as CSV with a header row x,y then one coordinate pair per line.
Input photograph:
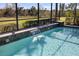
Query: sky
x,y
2,5
29,5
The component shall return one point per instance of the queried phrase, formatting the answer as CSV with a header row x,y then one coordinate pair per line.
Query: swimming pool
x,y
60,41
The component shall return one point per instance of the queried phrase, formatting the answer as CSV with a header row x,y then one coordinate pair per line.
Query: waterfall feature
x,y
35,31
36,35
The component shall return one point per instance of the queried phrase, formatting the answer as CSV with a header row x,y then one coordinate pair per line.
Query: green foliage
x,y
33,11
77,13
7,27
68,13
61,9
69,21
77,21
9,12
26,24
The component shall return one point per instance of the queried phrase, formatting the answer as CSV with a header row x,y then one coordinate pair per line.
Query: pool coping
x,y
25,30
73,26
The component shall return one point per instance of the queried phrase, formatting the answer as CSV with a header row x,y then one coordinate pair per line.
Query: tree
x,y
20,11
62,9
7,12
10,5
73,7
33,11
68,13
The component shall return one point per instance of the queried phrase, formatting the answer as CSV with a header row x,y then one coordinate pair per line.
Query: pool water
x,y
60,41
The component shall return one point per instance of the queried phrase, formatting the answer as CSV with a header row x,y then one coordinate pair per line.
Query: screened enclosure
x,y
17,16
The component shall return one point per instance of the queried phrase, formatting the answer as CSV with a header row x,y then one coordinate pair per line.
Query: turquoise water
x,y
61,41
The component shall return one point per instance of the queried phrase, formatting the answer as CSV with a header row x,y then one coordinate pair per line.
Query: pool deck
x,y
72,26
25,30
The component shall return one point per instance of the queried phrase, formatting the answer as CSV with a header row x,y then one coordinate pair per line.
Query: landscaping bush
x,y
26,24
77,21
34,23
7,27
69,21
30,24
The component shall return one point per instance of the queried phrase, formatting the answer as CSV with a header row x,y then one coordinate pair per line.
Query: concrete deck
x,y
72,26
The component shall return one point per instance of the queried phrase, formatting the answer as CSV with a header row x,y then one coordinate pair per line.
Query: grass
x,y
22,21
62,19
28,18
